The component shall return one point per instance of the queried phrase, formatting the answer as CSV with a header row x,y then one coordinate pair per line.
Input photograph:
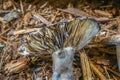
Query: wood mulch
x,y
96,61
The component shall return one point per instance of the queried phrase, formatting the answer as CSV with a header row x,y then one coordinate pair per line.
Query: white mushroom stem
x,y
118,56
62,64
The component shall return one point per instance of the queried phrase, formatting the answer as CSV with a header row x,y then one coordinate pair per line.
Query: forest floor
x,y
20,17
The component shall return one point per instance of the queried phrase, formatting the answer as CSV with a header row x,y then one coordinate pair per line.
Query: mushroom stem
x,y
62,64
118,56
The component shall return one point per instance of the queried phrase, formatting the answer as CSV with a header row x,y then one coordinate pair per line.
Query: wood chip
x,y
42,19
74,11
103,13
24,31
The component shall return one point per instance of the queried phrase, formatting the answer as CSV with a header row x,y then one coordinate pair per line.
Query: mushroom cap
x,y
75,33
114,39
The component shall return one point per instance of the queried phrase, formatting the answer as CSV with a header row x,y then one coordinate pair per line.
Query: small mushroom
x,y
115,39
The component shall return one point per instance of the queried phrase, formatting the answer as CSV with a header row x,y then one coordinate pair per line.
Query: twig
x,y
87,75
21,5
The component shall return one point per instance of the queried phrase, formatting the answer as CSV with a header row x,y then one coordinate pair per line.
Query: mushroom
x,y
62,41
114,39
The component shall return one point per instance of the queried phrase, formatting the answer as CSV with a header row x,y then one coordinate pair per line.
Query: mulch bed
x,y
18,18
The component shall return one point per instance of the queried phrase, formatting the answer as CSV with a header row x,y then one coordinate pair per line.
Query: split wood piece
x,y
24,31
114,78
106,72
42,19
87,74
4,32
80,13
22,9
2,40
107,50
97,72
103,13
118,22
74,11
114,72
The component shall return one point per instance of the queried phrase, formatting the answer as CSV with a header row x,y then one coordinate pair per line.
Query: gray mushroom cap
x,y
114,39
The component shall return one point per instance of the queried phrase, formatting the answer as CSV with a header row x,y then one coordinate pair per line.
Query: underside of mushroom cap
x,y
76,33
